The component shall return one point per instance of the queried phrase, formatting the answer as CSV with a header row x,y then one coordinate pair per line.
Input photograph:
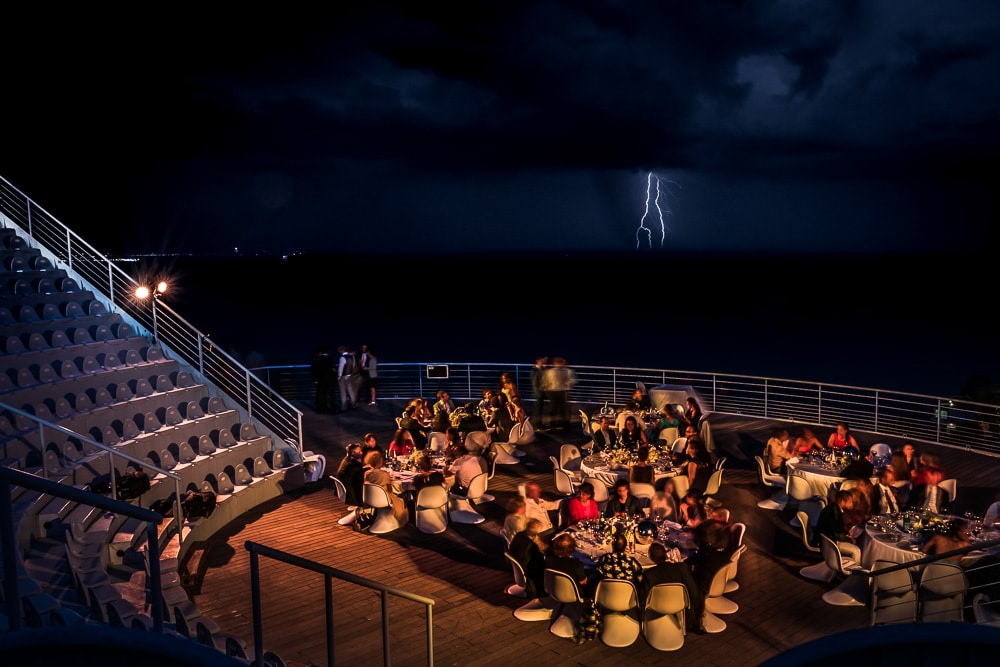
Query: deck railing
x,y
930,419
152,317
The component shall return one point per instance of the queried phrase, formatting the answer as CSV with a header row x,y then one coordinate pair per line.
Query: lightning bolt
x,y
661,210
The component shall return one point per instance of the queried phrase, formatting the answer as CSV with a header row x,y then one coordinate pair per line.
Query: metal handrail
x,y
922,418
9,476
329,573
273,415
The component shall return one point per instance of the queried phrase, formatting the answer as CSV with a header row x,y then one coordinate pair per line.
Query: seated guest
x,y
368,443
860,468
622,503
925,462
560,557
351,472
499,420
410,423
842,439
426,475
698,465
582,506
483,407
691,511
539,508
617,564
885,496
665,503
639,402
668,419
928,495
632,435
528,549
956,536
665,572
715,546
806,443
839,521
402,443
374,474
441,421
469,420
465,467
640,471
605,437
777,451
444,403
517,516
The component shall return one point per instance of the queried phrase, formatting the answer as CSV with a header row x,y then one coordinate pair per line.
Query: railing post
x,y
41,445
11,592
69,249
258,627
937,422
246,378
328,582
155,582
766,395
385,629
819,404
876,411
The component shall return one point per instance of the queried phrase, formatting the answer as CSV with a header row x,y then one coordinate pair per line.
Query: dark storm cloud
x,y
441,113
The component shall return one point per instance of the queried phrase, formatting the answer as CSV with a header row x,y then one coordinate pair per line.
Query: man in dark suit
x,y
604,437
526,549
351,473
408,422
664,572
930,496
623,503
885,496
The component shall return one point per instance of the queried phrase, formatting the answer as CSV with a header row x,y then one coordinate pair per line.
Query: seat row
x,y
25,259
50,312
59,337
18,286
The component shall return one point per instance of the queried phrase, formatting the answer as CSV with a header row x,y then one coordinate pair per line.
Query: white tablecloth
x,y
820,478
610,476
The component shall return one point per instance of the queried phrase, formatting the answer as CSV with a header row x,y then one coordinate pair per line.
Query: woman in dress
x,y
632,436
402,443
582,506
698,466
374,474
426,475
842,439
692,414
806,442
641,472
665,503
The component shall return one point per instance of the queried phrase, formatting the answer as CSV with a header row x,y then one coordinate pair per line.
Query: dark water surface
x,y
914,324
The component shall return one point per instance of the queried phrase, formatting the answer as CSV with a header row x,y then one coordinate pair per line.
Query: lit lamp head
x,y
144,292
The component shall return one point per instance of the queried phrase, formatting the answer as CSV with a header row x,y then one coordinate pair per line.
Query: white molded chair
x,y
588,432
601,494
737,530
778,498
854,590
436,441
517,589
715,600
680,444
894,597
565,483
341,490
807,524
801,494
663,616
951,486
668,435
570,458
942,592
618,602
712,488
565,592
643,491
431,514
461,509
377,497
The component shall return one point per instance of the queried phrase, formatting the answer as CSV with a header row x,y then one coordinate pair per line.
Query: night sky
x,y
816,138
798,126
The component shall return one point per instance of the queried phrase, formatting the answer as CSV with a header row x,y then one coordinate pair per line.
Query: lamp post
x,y
144,292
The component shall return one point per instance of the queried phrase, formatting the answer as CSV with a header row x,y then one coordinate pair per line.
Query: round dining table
x,y
820,476
886,540
608,472
590,546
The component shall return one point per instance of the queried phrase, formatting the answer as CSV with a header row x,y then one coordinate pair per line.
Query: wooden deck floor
x,y
463,570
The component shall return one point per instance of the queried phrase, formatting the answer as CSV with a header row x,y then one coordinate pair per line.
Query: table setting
x,y
594,539
899,537
610,465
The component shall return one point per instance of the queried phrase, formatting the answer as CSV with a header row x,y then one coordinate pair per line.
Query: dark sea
x,y
913,324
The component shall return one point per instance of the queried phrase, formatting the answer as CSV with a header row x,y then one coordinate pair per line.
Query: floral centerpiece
x,y
411,460
624,457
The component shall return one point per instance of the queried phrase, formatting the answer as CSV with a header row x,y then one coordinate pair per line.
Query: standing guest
x,y
777,451
906,463
925,462
444,403
508,387
324,378
558,380
665,572
529,550
582,506
517,517
351,472
424,414
641,472
538,508
500,420
623,503
664,504
692,414
618,564
842,439
346,369
537,373
369,372
484,406
605,437
402,443
374,474
516,408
